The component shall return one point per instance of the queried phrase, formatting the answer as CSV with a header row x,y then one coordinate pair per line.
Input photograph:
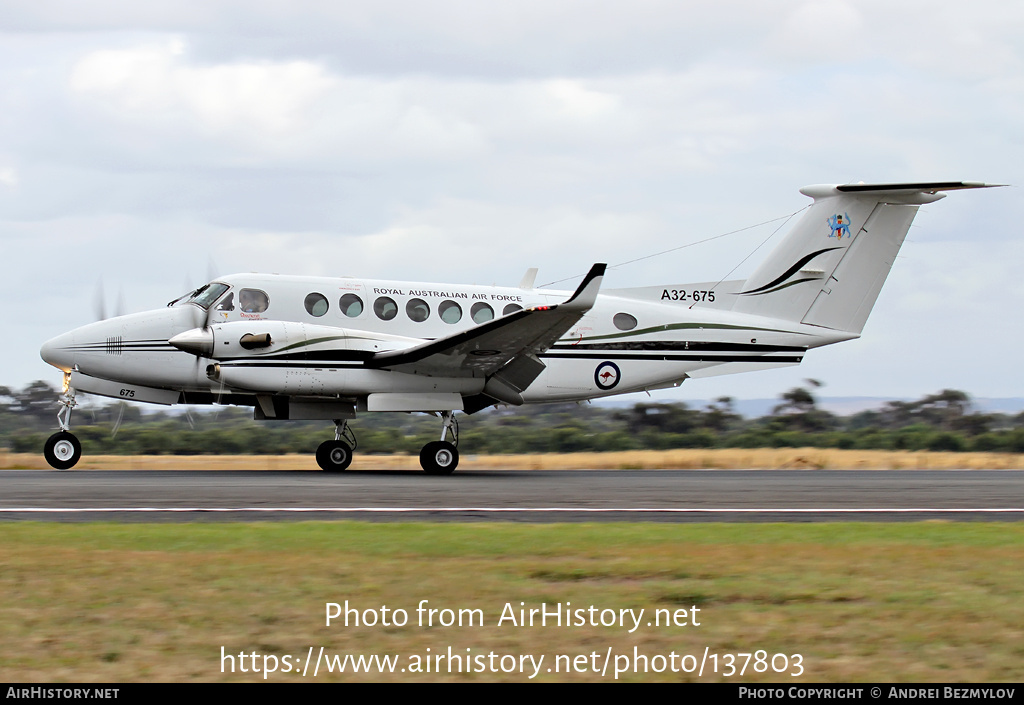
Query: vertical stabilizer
x,y
829,269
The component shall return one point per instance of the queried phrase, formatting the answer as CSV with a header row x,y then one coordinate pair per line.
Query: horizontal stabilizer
x,y
910,193
929,186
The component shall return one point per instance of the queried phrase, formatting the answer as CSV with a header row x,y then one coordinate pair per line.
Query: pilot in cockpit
x,y
227,303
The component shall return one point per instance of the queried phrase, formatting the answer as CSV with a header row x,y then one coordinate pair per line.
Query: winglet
x,y
586,294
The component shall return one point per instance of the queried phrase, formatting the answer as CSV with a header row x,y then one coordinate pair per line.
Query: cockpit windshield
x,y
203,297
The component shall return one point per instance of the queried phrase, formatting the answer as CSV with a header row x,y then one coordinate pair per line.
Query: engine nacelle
x,y
266,356
284,340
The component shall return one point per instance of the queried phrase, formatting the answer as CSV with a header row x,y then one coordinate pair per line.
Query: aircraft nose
x,y
59,352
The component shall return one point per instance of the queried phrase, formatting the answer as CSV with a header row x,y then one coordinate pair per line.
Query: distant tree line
x,y
945,421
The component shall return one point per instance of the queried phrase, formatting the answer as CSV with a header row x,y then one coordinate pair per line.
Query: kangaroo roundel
x,y
606,376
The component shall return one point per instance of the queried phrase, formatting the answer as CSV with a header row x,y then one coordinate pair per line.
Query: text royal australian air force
x,y
434,293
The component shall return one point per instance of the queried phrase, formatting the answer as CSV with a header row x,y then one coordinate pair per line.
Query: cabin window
x,y
481,312
351,305
417,310
623,321
385,308
253,301
511,308
449,311
316,304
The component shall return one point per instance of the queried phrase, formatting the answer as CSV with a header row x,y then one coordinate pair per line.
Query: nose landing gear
x,y
62,449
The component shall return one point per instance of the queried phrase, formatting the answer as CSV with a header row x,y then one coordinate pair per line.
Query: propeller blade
x,y
98,304
119,310
117,423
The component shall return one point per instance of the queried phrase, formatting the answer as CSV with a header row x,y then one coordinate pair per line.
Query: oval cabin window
x,y
351,305
481,312
449,311
385,308
417,310
624,321
316,304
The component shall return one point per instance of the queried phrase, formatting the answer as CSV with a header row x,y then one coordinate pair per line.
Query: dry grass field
x,y
724,458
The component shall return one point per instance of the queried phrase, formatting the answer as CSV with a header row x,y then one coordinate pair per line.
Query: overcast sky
x,y
142,144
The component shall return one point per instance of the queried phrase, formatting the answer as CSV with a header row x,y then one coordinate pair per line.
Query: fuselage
x,y
325,329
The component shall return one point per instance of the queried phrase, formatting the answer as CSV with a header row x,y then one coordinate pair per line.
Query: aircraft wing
x,y
510,343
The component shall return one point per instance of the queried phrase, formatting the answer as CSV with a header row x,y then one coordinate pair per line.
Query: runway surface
x,y
528,496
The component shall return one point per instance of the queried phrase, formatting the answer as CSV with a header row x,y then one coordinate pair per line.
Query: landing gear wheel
x,y
62,450
439,458
334,456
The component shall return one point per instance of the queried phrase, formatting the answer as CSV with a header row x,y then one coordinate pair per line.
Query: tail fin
x,y
829,269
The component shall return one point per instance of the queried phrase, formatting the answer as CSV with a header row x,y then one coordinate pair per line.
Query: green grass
x,y
931,601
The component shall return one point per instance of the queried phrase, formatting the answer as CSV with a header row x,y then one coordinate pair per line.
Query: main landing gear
x,y
437,457
336,455
442,457
62,449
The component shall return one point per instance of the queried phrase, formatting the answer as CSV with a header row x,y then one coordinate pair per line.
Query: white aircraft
x,y
326,348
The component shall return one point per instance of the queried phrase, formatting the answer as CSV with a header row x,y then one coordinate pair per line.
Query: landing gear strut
x,y
442,457
336,455
62,449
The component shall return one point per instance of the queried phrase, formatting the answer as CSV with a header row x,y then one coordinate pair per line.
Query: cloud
x,y
263,97
822,29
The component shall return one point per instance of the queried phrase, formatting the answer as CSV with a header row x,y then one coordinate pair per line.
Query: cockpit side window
x,y
227,303
253,301
205,296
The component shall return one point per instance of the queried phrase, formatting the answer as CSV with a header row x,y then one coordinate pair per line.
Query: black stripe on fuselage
x,y
126,344
637,345
706,357
678,345
290,364
333,355
559,355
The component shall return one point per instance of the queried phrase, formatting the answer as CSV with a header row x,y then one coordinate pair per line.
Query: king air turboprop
x,y
324,348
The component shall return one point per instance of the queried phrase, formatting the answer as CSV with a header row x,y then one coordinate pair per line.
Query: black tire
x,y
334,456
62,450
439,458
